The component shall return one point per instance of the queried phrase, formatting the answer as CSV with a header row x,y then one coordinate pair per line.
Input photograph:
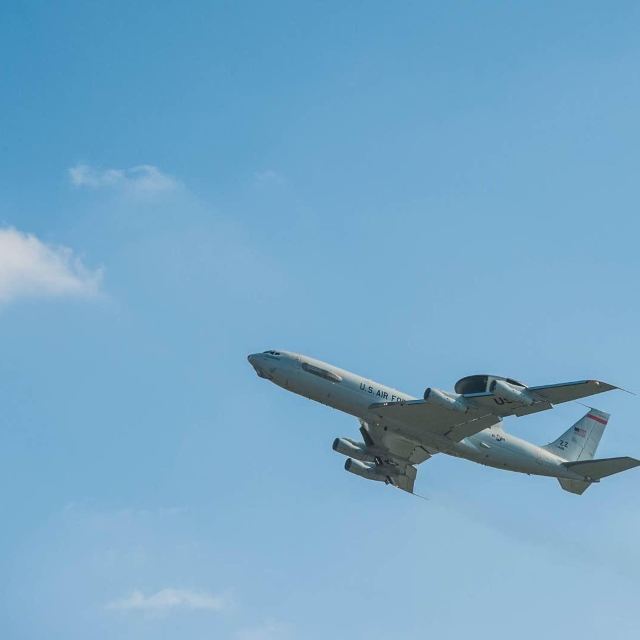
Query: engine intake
x,y
357,450
363,469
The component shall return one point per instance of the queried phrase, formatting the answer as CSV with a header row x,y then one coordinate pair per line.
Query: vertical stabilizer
x,y
581,440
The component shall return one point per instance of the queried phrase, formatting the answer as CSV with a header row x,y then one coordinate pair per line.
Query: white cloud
x,y
141,180
167,600
29,267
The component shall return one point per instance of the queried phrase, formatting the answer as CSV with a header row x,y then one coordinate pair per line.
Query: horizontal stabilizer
x,y
574,486
597,469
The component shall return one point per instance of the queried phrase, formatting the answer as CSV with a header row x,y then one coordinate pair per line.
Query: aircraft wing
x,y
397,447
417,417
396,453
545,397
566,391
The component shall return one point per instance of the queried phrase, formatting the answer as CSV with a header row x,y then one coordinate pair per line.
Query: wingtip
x,y
607,386
633,393
614,386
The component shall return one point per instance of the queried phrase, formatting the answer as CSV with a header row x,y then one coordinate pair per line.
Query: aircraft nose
x,y
254,359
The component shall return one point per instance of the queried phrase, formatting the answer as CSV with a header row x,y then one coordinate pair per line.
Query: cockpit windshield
x,y
272,353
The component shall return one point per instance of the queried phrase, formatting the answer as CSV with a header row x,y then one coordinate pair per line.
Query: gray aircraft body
x,y
400,432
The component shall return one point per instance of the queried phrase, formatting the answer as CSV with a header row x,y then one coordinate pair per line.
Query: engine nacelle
x,y
357,450
505,390
366,470
372,471
453,402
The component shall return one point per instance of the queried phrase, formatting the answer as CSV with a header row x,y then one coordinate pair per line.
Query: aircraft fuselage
x,y
354,394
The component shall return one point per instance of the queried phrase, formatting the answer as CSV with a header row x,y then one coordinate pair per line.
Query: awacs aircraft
x,y
399,432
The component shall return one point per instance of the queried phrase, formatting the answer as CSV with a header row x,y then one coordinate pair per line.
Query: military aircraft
x,y
400,432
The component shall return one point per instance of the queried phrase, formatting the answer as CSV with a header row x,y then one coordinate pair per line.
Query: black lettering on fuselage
x,y
380,393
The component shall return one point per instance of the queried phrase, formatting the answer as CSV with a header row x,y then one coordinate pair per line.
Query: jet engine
x,y
366,470
371,471
504,389
400,476
357,450
446,400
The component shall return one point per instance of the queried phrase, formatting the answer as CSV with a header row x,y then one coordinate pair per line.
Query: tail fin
x,y
581,440
578,447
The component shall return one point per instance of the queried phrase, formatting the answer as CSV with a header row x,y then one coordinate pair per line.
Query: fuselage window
x,y
322,373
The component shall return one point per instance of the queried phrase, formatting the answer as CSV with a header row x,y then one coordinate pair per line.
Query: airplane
x,y
399,431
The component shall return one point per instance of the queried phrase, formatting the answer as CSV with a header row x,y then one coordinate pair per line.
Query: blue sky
x,y
413,191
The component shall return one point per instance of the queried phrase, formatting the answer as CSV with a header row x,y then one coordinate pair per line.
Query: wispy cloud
x,y
141,180
168,600
31,268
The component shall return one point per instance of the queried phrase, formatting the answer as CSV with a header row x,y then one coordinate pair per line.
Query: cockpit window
x,y
322,373
272,353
